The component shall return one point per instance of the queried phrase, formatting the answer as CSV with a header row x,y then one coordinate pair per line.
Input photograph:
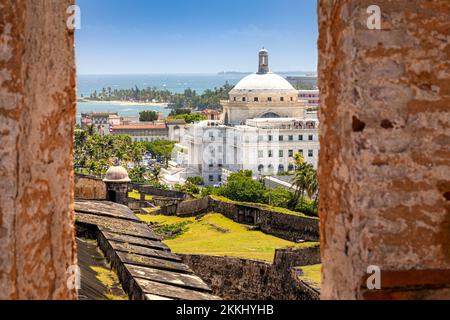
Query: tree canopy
x,y
148,115
189,99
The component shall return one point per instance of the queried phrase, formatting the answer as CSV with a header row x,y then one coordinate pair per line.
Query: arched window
x,y
270,115
244,99
291,167
261,168
281,168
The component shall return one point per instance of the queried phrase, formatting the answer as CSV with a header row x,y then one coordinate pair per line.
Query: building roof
x,y
99,114
265,81
211,111
175,121
140,126
116,174
134,249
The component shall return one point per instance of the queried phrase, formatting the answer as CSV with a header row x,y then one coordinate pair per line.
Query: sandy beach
x,y
127,103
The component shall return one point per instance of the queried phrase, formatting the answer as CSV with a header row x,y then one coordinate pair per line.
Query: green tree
x,y
241,187
161,149
198,181
148,116
304,182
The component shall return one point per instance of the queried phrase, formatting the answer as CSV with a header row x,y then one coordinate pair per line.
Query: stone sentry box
x,y
117,181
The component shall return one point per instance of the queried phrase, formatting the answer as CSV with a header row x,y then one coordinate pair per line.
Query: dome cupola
x,y
117,174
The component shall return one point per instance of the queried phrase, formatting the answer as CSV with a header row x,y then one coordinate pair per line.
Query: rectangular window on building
x,y
281,153
234,98
300,151
219,178
244,99
269,99
291,153
300,137
310,153
270,138
280,138
270,154
211,178
260,154
310,137
291,138
282,99
256,99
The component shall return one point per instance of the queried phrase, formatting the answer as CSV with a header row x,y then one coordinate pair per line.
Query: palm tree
x,y
304,181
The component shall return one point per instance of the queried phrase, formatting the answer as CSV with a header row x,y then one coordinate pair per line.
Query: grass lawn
x,y
136,195
217,235
313,274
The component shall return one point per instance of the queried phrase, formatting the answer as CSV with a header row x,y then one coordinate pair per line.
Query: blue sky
x,y
195,36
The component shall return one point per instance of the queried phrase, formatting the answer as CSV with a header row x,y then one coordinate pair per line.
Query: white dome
x,y
116,174
263,81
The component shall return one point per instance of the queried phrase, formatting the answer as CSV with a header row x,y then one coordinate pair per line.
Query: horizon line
x,y
186,73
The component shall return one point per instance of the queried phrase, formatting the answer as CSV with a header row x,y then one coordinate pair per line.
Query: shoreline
x,y
127,103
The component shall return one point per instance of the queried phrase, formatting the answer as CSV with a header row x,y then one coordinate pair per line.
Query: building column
x,y
37,118
385,160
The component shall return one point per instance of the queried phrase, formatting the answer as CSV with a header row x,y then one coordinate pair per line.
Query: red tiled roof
x,y
140,126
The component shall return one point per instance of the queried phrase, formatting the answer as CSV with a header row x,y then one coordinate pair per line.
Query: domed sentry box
x,y
117,180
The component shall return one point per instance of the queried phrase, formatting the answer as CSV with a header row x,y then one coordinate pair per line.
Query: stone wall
x,y
243,279
283,225
385,159
193,208
152,191
37,119
287,226
89,188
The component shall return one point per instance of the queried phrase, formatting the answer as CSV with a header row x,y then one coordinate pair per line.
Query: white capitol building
x,y
263,126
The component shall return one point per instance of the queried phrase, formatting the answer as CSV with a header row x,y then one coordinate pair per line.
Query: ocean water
x,y
177,83
172,82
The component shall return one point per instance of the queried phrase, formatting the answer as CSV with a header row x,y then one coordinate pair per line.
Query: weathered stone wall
x,y
89,188
243,279
287,226
152,191
193,208
385,158
37,119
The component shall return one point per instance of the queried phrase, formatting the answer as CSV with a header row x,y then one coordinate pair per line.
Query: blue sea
x,y
177,83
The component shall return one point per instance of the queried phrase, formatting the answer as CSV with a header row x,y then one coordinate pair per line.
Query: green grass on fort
x,y
136,195
263,206
217,235
312,273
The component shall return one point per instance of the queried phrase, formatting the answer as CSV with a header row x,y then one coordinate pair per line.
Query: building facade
x,y
310,98
141,132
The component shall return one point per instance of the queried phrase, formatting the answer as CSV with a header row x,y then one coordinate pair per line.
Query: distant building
x,y
311,98
100,121
177,128
264,146
143,131
212,115
262,95
264,124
